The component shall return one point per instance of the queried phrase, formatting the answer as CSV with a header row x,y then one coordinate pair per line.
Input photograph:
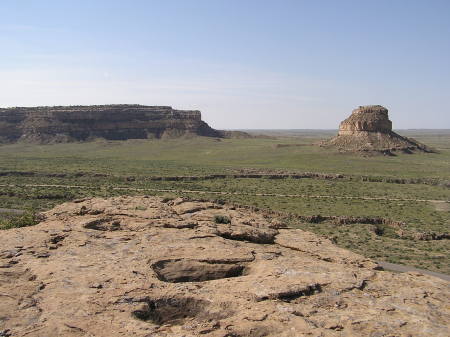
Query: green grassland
x,y
106,168
206,155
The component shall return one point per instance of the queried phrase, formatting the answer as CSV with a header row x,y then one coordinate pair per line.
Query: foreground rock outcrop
x,y
112,122
145,266
368,129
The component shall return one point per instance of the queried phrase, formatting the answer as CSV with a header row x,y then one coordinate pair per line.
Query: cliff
x,y
369,130
371,118
112,122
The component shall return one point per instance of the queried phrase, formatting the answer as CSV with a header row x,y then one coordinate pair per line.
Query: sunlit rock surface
x,y
145,266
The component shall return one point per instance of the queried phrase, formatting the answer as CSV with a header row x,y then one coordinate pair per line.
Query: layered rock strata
x,y
145,266
112,122
368,129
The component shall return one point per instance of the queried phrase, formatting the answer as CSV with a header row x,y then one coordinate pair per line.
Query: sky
x,y
245,64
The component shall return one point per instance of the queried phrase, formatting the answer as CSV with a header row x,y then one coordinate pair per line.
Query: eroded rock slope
x,y
369,130
143,266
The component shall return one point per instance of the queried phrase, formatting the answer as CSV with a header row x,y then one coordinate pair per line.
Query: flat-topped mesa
x,y
369,130
111,122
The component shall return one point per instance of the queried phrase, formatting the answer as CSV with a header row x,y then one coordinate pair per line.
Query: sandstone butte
x,y
368,129
112,122
145,266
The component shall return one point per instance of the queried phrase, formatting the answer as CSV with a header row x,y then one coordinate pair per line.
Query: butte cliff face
x,y
371,118
145,266
368,129
112,122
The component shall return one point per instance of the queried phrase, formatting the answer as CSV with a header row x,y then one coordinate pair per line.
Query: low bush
x,y
29,218
222,219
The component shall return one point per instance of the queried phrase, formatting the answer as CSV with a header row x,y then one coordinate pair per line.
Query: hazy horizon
x,y
244,64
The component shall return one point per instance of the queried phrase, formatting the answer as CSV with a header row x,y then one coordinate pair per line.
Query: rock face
x,y
371,118
368,129
112,122
144,266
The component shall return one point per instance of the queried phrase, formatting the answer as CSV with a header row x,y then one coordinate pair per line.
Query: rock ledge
x,y
145,266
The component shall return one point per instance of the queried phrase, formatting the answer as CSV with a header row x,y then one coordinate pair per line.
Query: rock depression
x,y
368,129
146,266
112,122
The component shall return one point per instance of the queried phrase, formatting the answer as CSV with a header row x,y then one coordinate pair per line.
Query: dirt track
x,y
11,210
404,269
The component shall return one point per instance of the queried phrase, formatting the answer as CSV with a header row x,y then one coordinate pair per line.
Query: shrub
x,y
222,219
27,219
166,197
378,229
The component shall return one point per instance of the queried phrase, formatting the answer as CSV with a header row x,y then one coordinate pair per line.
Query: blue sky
x,y
243,63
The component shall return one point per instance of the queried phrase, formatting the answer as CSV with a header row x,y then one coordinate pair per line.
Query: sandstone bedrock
x,y
154,267
370,118
111,122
